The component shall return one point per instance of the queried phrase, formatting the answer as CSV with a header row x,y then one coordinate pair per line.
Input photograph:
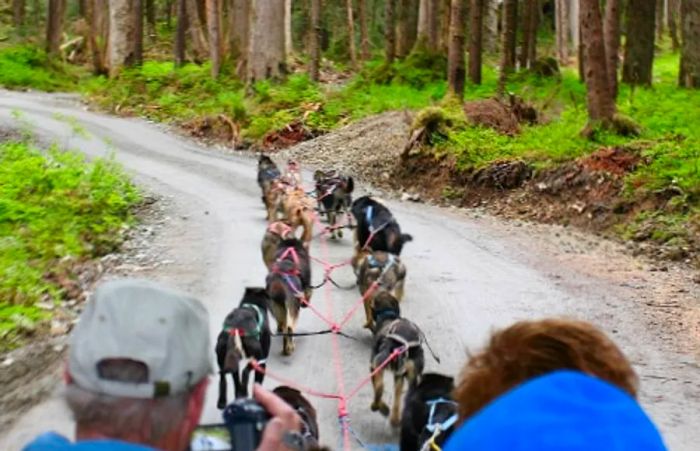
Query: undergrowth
x,y
26,66
54,207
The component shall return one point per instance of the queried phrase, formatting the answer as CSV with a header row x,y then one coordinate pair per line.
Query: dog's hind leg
x,y
378,405
246,379
395,419
399,290
221,403
238,388
260,375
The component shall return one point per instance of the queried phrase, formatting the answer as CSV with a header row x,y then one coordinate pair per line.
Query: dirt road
x,y
466,275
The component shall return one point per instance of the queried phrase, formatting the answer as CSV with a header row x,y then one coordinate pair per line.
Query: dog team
x,y
429,414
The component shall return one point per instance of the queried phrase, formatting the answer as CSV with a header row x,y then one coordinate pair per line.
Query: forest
x,y
581,112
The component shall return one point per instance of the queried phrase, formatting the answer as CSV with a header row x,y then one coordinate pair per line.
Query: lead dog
x,y
377,228
289,288
393,334
381,268
306,412
334,197
429,413
246,334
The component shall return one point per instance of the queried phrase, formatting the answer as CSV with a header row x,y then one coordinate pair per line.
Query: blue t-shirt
x,y
50,441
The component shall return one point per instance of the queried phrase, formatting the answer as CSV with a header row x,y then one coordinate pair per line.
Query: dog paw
x,y
381,408
395,421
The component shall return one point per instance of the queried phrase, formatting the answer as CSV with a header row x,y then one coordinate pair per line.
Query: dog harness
x,y
375,263
445,425
258,327
391,333
385,314
437,428
271,172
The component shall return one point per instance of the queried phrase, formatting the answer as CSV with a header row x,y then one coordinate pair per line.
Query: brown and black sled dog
x,y
383,269
334,197
392,334
429,412
245,335
268,174
289,287
274,235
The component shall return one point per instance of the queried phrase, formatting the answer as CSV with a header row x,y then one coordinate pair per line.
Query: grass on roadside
x,y
53,205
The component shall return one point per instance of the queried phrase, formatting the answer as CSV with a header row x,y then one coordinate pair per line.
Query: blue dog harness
x,y
445,425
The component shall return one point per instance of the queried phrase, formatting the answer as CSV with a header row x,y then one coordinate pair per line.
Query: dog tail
x,y
239,344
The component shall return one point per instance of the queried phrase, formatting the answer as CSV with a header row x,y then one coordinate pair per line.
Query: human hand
x,y
284,422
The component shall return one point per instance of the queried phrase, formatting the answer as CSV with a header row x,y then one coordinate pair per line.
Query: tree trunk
x,y
672,15
434,25
351,33
390,30
364,34
97,12
531,16
561,23
611,31
54,26
476,10
601,105
137,7
639,45
689,75
180,33
266,56
288,44
510,26
446,11
456,72
315,40
214,36
427,25
18,12
535,12
660,8
491,26
525,42
121,35
406,27
510,33
239,24
199,39
151,19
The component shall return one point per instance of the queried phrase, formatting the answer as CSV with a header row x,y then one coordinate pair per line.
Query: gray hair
x,y
118,417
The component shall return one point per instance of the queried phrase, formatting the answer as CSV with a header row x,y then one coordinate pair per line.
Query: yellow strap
x,y
432,443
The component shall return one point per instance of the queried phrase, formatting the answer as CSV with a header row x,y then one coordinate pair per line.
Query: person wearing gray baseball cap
x,y
137,372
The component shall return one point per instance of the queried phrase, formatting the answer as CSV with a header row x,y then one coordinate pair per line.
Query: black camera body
x,y
242,430
245,420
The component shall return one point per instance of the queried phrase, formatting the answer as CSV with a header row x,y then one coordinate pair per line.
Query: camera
x,y
244,422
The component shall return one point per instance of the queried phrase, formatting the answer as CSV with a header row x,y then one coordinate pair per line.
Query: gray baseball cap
x,y
141,321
